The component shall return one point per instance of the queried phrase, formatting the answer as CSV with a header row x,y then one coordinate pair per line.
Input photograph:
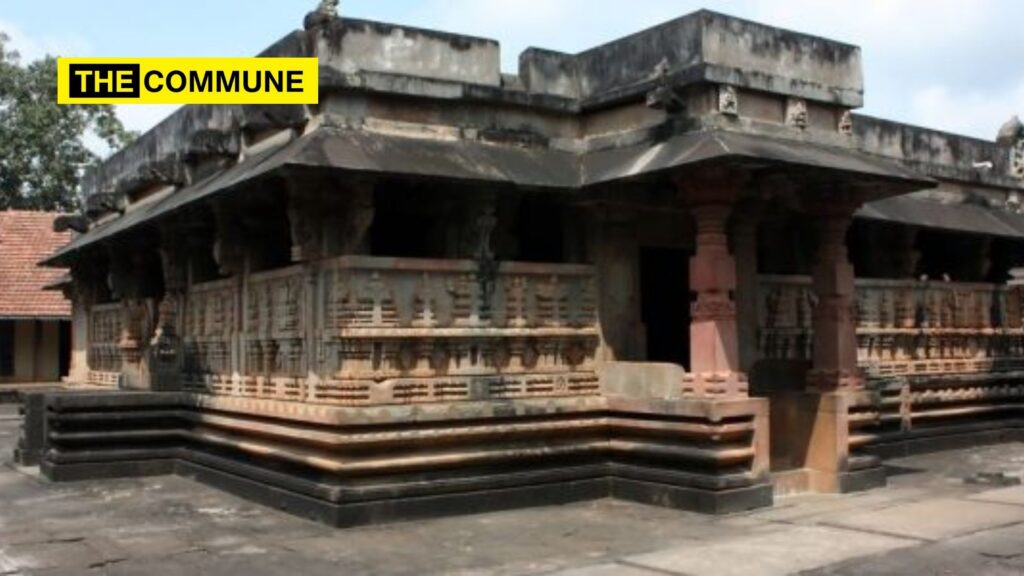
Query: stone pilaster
x,y
87,278
78,367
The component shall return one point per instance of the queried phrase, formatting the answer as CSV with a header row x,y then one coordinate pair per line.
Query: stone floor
x,y
928,521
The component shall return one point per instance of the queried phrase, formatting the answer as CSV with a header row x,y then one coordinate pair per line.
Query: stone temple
x,y
676,268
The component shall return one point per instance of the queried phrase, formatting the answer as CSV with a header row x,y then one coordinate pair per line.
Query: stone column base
x,y
715,385
810,437
824,381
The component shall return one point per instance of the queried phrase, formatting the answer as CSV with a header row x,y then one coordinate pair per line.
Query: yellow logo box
x,y
187,81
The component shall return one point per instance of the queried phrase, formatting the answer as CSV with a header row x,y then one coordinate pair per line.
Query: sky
x,y
954,65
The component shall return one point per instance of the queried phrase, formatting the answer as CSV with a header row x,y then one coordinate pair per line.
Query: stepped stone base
x,y
348,467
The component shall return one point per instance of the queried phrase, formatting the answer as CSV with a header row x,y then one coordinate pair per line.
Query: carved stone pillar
x,y
906,255
484,223
347,225
473,221
834,362
1015,299
306,214
229,241
617,257
125,285
714,340
744,240
983,262
811,429
165,348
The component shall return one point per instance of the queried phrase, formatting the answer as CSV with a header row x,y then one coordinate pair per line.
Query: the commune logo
x,y
187,81
104,81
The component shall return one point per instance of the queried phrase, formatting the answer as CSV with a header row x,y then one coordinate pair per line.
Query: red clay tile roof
x,y
25,239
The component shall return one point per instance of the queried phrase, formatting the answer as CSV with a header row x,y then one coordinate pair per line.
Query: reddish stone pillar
x,y
833,383
834,364
714,344
617,255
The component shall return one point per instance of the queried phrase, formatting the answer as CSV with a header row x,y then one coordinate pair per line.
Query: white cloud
x,y
946,64
563,25
135,117
906,24
142,117
32,47
517,16
96,144
966,111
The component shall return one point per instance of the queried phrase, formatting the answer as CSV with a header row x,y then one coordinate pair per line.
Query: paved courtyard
x,y
928,521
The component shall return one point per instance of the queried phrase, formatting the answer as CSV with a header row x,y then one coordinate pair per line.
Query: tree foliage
x,y
43,150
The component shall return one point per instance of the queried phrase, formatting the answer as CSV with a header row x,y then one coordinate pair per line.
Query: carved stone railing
x,y
942,358
367,330
908,328
903,327
104,353
785,306
274,339
209,329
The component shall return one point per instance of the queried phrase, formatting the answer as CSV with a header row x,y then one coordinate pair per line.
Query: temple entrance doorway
x,y
665,304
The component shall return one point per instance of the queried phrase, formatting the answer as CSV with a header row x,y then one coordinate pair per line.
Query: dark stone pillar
x,y
617,256
834,364
126,284
744,239
165,348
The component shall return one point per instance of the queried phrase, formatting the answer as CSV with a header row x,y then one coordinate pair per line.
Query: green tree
x,y
42,144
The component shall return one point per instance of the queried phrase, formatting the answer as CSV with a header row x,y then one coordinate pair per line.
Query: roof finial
x,y
1010,132
328,7
326,11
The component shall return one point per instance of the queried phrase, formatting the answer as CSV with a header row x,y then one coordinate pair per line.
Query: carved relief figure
x,y
728,102
846,123
796,113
